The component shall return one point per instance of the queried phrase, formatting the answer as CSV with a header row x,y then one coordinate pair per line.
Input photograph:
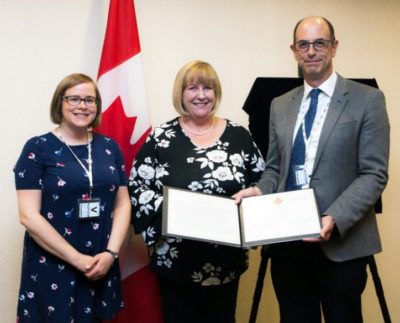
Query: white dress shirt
x,y
324,99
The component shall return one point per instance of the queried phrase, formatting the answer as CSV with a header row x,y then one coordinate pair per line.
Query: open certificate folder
x,y
256,221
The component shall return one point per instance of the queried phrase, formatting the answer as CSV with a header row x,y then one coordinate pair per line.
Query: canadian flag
x,y
125,118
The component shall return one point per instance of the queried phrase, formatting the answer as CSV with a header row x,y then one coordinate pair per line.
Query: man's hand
x,y
328,224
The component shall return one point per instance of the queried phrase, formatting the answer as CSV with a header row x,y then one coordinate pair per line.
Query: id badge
x,y
89,208
300,175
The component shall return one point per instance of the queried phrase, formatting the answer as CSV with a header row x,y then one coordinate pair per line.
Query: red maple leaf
x,y
118,126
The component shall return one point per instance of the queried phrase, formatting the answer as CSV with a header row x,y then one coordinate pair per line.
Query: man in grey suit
x,y
341,151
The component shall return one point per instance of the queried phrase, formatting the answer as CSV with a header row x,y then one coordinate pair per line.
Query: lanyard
x,y
313,132
88,171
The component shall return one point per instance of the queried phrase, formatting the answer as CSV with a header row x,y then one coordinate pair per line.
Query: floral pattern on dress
x,y
170,158
51,290
213,273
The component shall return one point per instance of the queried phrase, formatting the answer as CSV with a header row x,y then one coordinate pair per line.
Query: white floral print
x,y
170,158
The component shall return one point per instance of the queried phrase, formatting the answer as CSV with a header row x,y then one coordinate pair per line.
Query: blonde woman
x,y
204,153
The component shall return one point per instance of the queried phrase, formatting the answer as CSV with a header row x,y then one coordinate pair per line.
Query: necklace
x,y
202,133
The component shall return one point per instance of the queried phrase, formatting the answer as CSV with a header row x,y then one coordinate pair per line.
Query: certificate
x,y
258,220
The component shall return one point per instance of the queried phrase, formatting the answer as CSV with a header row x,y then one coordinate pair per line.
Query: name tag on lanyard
x,y
300,175
89,208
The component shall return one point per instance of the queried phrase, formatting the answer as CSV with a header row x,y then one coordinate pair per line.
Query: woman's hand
x,y
83,262
250,191
100,267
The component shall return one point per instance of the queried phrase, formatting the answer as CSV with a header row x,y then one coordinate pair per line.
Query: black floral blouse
x,y
170,158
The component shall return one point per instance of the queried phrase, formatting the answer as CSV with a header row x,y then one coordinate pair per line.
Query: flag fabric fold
x,y
125,118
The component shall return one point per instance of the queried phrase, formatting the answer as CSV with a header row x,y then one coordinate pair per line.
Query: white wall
x,y
42,41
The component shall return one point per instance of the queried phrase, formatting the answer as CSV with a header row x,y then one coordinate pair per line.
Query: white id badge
x,y
89,208
300,175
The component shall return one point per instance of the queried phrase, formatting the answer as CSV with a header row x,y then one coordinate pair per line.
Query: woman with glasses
x,y
74,204
202,152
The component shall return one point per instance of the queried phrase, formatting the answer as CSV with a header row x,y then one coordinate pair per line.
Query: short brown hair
x,y
65,84
195,71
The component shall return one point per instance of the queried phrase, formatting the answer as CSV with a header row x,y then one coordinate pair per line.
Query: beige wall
x,y
42,41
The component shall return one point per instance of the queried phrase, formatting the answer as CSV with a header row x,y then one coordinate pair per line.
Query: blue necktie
x,y
299,147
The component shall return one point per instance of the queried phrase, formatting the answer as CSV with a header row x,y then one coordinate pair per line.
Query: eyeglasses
x,y
319,44
74,100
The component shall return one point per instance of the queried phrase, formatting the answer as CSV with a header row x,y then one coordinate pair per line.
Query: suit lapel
x,y
292,112
338,102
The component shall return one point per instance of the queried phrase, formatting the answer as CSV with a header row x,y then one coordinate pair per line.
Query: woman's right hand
x,y
250,191
84,262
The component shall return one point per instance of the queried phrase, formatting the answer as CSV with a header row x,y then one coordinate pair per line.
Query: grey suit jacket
x,y
351,164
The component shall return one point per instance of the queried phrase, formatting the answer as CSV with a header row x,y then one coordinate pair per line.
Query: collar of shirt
x,y
328,87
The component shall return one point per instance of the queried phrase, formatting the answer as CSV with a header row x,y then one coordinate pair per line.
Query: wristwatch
x,y
114,254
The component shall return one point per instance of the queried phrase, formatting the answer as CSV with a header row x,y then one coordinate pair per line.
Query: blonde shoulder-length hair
x,y
195,72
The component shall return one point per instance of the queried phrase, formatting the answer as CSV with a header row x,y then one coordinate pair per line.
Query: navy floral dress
x,y
52,290
170,158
